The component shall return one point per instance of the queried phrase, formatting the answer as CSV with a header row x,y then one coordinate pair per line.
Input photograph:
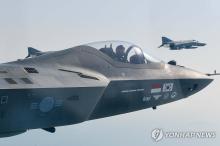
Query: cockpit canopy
x,y
123,52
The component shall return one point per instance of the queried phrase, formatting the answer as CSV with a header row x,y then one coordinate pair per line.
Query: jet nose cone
x,y
202,44
190,81
191,86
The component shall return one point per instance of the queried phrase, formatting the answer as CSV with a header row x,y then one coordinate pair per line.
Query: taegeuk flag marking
x,y
156,88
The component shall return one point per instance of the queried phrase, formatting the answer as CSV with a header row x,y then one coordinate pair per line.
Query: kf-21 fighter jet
x,y
178,45
97,80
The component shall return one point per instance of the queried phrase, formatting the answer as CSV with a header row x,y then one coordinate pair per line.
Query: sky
x,y
55,25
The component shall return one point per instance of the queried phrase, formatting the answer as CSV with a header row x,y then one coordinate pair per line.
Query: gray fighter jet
x,y
178,45
88,82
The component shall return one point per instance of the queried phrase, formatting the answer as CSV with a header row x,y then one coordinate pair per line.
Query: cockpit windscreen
x,y
123,52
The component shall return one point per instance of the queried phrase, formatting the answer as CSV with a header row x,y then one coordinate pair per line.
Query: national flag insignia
x,y
174,94
166,95
167,87
156,88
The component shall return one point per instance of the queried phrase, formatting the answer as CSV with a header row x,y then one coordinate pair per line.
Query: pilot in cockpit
x,y
120,53
109,51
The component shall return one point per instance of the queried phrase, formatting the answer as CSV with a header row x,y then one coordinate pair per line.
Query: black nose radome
x,y
191,86
203,44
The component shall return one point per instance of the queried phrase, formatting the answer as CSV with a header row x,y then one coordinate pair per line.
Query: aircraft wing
x,y
191,47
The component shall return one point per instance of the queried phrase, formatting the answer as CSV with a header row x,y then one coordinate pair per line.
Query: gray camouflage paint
x,y
80,84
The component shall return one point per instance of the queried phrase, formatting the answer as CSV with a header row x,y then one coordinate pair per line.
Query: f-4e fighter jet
x,y
87,82
178,45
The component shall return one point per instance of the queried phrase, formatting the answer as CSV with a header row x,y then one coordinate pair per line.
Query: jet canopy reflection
x,y
123,52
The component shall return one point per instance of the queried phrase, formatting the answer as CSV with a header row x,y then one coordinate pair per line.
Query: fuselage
x,y
188,44
80,84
